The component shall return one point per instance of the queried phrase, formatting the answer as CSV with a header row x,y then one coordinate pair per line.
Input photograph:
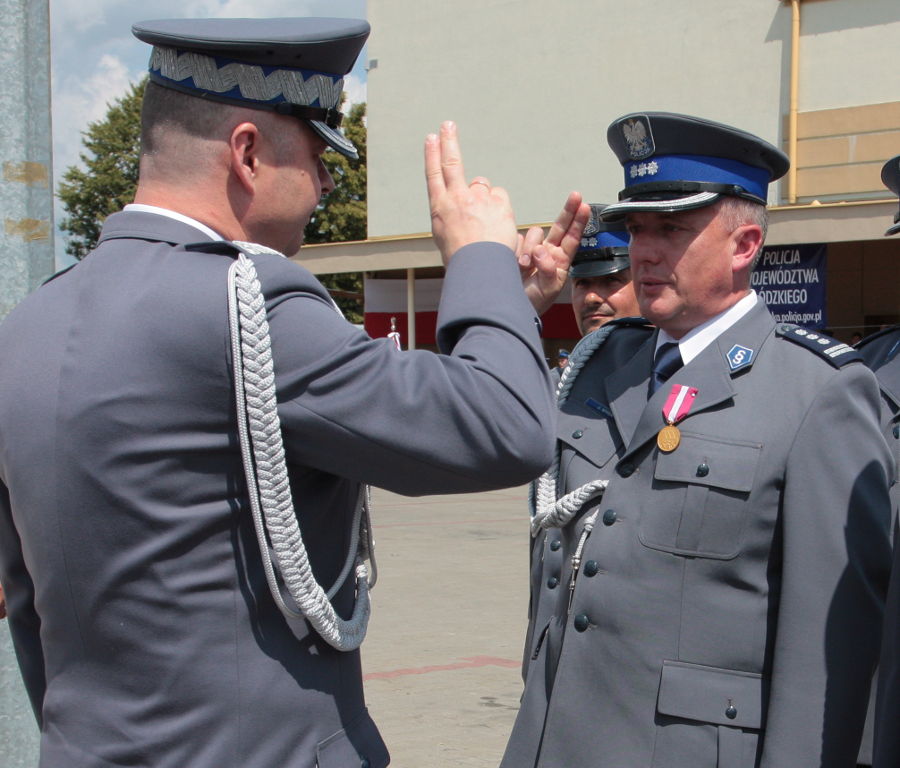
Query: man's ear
x,y
748,240
244,145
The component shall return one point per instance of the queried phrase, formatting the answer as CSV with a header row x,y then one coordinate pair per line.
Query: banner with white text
x,y
790,279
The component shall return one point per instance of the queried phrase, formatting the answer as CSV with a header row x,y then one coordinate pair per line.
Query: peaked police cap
x,y
890,175
676,162
603,249
292,66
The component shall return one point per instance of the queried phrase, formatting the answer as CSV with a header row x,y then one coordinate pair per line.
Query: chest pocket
x,y
699,506
587,443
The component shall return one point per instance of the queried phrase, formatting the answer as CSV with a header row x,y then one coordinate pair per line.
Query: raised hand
x,y
463,213
544,261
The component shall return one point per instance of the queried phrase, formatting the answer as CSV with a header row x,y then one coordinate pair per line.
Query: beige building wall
x,y
849,53
533,87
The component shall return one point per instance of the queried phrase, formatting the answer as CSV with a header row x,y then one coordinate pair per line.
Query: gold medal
x,y
668,438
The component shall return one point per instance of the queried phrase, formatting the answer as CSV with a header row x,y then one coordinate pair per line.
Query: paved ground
x,y
443,656
443,653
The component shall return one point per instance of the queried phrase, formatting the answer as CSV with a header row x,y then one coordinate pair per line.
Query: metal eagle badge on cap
x,y
638,136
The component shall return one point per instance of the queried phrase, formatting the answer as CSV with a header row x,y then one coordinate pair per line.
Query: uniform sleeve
x,y
479,416
24,624
835,564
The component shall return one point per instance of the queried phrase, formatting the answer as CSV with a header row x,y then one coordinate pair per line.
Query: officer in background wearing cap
x,y
600,278
601,275
719,497
881,351
165,607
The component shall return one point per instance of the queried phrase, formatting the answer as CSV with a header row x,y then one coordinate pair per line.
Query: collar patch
x,y
739,357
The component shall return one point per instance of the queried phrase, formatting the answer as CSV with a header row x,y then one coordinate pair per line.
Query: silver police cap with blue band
x,y
676,162
890,175
292,66
603,249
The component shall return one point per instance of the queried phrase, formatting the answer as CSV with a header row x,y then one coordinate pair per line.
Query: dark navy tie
x,y
665,363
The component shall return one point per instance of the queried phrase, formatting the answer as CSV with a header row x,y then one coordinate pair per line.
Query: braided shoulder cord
x,y
548,510
268,483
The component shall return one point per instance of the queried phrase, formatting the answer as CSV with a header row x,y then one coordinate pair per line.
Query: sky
x,y
94,58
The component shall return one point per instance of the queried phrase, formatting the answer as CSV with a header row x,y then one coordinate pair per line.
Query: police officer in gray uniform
x,y
719,497
881,352
173,406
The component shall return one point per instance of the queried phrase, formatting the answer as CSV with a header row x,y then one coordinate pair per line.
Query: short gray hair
x,y
736,212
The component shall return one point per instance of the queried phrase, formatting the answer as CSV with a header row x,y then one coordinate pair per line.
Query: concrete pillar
x,y
26,189
26,259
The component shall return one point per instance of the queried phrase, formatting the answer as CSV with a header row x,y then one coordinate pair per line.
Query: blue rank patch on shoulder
x,y
739,357
835,352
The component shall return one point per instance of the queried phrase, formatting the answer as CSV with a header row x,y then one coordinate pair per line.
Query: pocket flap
x,y
588,435
711,461
712,695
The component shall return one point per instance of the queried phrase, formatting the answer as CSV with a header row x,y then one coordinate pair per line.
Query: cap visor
x,y
673,205
598,269
335,139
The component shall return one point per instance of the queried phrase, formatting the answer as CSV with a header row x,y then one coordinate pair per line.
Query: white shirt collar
x,y
141,208
697,339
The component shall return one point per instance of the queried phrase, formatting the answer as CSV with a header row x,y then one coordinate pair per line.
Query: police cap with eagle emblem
x,y
676,162
603,249
890,175
292,66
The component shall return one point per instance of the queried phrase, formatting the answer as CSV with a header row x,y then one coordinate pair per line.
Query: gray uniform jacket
x,y
882,353
138,607
728,602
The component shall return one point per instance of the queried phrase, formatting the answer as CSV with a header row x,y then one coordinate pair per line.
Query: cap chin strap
x,y
268,484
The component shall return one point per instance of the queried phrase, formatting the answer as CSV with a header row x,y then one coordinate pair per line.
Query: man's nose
x,y
325,180
643,250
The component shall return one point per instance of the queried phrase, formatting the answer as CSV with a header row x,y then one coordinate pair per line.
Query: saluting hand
x,y
544,262
463,213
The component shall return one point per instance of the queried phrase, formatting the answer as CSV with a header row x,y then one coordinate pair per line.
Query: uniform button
x,y
364,763
582,622
703,470
578,434
731,712
553,582
627,469
609,517
591,567
555,544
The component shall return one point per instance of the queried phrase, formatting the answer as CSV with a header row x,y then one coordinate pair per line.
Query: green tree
x,y
109,178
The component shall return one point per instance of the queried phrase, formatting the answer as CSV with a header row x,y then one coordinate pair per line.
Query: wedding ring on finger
x,y
484,182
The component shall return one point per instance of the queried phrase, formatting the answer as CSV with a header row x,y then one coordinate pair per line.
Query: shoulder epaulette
x,y
835,352
57,274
